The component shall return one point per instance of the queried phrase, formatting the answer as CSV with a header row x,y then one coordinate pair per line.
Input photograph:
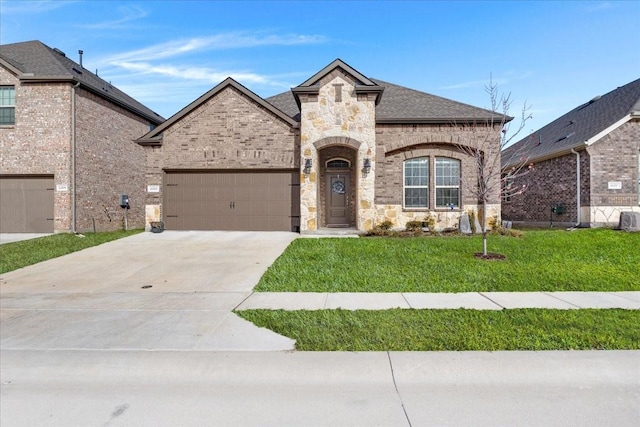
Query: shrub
x,y
414,225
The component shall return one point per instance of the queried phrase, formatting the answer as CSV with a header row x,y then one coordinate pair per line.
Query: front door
x,y
337,199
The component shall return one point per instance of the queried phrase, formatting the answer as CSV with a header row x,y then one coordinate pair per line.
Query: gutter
x,y
578,207
73,157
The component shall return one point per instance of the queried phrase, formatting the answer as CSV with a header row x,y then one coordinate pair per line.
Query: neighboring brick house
x,y
339,150
588,158
66,145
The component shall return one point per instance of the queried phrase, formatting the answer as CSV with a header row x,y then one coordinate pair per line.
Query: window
x,y
338,164
416,183
7,105
447,182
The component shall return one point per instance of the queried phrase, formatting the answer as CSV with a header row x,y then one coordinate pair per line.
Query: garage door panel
x,y
26,204
220,200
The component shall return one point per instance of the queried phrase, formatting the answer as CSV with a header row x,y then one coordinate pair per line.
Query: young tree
x,y
489,138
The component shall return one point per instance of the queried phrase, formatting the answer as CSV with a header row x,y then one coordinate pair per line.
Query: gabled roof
x,y
395,104
33,61
583,125
155,136
363,84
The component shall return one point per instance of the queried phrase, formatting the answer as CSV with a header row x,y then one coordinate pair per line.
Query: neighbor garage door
x,y
214,200
26,204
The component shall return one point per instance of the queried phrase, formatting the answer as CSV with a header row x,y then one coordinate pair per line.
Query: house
x,y
339,150
66,145
586,164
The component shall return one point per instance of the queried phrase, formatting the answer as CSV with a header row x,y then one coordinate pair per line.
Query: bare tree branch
x,y
490,138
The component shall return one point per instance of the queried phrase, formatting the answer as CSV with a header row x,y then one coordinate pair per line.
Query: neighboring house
x,y
339,150
66,145
588,158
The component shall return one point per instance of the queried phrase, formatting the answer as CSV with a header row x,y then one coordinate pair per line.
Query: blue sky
x,y
551,55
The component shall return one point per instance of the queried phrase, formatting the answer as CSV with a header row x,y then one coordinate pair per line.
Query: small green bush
x,y
413,225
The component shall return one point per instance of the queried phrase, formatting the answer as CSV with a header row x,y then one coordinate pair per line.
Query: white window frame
x,y
12,107
447,185
406,187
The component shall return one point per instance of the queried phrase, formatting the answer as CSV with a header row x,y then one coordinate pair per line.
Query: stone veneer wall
x,y
347,120
230,132
40,141
109,163
398,142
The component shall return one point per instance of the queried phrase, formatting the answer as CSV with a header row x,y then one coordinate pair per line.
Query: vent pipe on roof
x,y
80,52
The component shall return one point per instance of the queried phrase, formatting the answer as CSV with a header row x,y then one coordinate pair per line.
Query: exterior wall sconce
x,y
307,166
366,166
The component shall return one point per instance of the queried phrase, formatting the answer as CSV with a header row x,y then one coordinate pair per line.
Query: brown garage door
x,y
26,204
214,200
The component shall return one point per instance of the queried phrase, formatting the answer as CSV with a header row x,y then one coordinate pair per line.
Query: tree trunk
x,y
484,229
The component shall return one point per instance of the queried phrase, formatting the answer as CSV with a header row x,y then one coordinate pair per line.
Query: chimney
x,y
80,52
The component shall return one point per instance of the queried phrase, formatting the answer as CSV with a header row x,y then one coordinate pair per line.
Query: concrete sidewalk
x,y
159,388
469,300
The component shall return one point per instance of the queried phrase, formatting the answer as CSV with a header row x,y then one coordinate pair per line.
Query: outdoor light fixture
x,y
307,166
366,167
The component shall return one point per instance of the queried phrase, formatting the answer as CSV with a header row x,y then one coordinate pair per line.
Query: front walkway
x,y
469,300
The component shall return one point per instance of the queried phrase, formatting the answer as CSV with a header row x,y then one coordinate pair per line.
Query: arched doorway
x,y
338,187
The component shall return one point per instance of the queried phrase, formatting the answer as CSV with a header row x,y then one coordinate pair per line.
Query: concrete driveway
x,y
168,291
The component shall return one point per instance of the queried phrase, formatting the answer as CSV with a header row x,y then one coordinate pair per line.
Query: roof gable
x,y
583,125
155,136
362,83
34,61
399,105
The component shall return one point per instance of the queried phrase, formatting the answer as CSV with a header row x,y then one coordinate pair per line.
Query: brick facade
x,y
108,164
397,143
229,131
107,160
613,158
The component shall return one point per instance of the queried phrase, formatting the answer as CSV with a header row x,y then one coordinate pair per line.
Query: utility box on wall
x,y
124,201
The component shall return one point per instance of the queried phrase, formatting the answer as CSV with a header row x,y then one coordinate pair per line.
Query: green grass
x,y
439,330
541,260
21,254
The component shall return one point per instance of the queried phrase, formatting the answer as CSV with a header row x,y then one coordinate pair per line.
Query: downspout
x,y
73,157
578,207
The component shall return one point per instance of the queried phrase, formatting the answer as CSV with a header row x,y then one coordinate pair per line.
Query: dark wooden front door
x,y
337,200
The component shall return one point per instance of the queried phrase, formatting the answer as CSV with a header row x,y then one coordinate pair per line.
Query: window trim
x,y
405,186
457,187
9,106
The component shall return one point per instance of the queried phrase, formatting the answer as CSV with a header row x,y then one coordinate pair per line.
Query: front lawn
x,y
440,330
27,252
541,260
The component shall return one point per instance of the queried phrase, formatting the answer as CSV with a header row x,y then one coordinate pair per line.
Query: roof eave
x,y
435,120
150,142
552,155
70,79
378,90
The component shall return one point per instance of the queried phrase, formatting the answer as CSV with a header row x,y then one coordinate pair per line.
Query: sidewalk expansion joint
x,y
395,385
560,299
492,301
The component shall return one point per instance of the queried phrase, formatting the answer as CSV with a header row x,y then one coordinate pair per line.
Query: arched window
x,y
338,164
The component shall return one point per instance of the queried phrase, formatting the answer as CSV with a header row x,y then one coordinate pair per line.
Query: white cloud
x,y
232,40
35,6
129,14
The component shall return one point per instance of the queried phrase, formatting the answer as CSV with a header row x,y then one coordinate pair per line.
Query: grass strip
x,y
27,252
453,330
541,260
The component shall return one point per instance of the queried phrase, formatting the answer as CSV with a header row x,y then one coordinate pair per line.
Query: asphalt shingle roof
x,y
37,60
579,125
401,104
